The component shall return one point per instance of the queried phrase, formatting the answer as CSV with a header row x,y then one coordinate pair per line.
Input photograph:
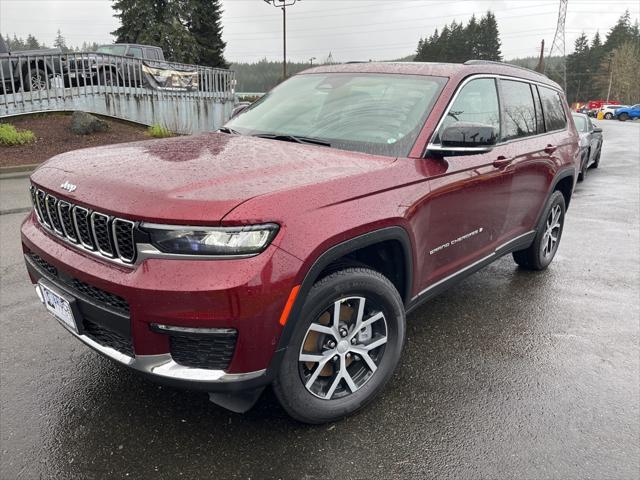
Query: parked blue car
x,y
627,113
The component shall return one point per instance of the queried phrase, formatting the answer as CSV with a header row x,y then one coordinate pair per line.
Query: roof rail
x,y
491,62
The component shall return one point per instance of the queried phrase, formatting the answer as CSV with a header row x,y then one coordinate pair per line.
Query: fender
x,y
332,254
561,175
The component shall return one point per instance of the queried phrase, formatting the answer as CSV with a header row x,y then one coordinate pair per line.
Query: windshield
x,y
112,49
372,113
581,123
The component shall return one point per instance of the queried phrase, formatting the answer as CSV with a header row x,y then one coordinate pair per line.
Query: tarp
x,y
164,76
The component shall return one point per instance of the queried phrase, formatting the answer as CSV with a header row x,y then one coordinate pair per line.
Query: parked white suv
x,y
609,110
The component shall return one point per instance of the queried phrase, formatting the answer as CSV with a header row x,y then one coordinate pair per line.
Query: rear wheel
x,y
608,115
545,245
345,347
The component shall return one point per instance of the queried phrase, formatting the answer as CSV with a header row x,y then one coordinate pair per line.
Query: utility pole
x,y
540,66
283,4
610,76
311,60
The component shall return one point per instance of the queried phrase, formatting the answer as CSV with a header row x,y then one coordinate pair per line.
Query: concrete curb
x,y
17,171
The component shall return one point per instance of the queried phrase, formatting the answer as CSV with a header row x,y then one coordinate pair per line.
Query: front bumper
x,y
237,294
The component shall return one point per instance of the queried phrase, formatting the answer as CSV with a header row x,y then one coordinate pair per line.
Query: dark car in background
x,y
590,143
111,65
27,70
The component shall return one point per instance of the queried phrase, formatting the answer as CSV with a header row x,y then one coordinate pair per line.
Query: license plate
x,y
58,306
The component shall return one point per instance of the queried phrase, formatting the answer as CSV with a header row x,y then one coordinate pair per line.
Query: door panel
x,y
467,213
469,199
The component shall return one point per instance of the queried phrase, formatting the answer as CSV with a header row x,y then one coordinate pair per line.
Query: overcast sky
x,y
349,29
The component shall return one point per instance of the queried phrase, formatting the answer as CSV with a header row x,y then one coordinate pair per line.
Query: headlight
x,y
245,240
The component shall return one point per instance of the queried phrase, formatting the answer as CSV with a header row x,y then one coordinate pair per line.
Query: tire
x,y
623,117
608,115
596,161
37,81
108,79
316,391
583,171
535,257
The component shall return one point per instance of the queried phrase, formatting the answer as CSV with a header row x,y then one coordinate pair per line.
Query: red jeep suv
x,y
288,247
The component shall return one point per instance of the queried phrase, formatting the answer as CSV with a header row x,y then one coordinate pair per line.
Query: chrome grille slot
x,y
103,235
34,202
123,239
81,220
51,203
42,208
64,210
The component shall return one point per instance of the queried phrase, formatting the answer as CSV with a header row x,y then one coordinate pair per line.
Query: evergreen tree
x,y
457,45
32,42
578,69
620,33
488,39
130,13
471,33
204,25
60,42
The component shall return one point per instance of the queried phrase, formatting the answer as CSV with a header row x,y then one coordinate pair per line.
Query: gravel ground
x,y
54,137
510,374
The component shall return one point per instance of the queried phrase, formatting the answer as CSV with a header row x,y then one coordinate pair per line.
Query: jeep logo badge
x,y
69,187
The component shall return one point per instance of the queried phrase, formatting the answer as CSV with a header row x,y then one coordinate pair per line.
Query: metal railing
x,y
111,85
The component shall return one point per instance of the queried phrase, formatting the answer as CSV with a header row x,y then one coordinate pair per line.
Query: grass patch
x,y
158,131
9,136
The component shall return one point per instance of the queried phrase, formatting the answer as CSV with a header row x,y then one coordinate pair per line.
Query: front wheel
x,y
548,233
37,81
608,116
623,117
345,346
107,78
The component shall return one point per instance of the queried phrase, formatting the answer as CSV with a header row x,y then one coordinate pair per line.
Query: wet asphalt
x,y
510,374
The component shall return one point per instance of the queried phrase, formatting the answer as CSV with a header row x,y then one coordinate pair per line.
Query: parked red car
x,y
287,248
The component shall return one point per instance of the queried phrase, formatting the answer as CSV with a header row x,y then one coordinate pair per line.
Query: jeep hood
x,y
196,179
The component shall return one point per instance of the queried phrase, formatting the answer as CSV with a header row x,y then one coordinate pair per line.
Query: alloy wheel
x,y
343,348
551,234
37,83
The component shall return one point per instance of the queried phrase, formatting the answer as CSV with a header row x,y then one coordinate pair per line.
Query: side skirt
x,y
519,243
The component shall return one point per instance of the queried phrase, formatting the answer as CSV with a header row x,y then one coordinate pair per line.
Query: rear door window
x,y
518,110
554,116
477,102
136,52
151,54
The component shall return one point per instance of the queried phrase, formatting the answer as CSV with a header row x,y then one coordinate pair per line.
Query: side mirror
x,y
467,138
241,107
597,129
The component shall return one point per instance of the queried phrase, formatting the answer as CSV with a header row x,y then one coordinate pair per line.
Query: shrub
x,y
158,131
10,136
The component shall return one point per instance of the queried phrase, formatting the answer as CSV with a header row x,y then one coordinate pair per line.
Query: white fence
x,y
183,98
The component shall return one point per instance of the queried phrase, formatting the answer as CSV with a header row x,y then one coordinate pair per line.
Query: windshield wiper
x,y
292,138
229,130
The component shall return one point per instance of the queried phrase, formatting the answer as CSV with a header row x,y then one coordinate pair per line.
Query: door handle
x,y
502,161
550,149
